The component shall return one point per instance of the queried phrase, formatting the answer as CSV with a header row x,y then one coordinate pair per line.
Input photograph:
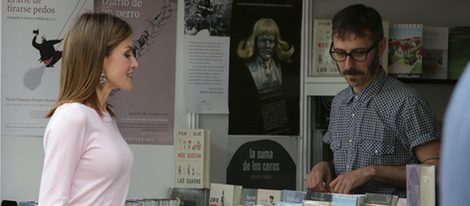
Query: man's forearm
x,y
392,175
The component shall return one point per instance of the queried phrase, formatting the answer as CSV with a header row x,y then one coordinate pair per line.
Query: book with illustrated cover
x,y
190,196
375,199
192,148
323,64
405,50
435,45
224,194
318,196
248,196
268,197
292,196
459,51
420,185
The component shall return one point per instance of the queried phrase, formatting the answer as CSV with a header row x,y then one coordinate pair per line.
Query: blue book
x,y
292,196
348,200
289,204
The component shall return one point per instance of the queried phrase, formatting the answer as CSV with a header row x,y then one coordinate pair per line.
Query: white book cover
x,y
323,64
192,148
222,194
32,34
420,185
435,56
316,203
268,197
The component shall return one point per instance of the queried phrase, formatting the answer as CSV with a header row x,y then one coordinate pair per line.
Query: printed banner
x,y
264,79
32,34
146,114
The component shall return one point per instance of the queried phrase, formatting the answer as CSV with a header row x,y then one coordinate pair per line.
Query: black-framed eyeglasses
x,y
358,55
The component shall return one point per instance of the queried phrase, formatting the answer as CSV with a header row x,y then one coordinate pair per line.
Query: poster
x,y
260,162
206,51
264,77
32,34
146,114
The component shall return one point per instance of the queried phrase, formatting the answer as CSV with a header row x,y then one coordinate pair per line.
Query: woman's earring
x,y
102,79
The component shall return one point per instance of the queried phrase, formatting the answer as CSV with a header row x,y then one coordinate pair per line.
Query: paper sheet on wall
x,y
32,33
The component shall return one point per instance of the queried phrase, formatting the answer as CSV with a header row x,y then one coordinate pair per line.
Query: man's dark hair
x,y
358,19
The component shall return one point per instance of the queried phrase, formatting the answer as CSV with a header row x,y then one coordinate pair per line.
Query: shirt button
x,y
350,140
352,115
376,151
355,97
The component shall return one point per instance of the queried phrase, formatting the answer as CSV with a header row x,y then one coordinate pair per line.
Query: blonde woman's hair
x,y
89,40
265,26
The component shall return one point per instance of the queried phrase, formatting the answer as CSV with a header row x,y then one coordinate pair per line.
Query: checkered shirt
x,y
380,125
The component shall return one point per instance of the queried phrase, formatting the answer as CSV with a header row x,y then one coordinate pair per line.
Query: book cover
x,y
323,64
289,204
192,162
318,196
292,196
224,194
374,199
401,202
237,193
316,203
29,203
420,185
459,51
348,199
406,49
268,197
435,45
248,196
190,196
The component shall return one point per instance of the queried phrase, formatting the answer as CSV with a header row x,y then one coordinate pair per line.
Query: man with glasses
x,y
377,124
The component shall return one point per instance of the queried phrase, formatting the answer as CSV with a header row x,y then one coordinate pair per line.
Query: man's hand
x,y
320,177
347,182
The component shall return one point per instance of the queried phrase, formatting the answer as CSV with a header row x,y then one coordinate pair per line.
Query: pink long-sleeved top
x,y
87,162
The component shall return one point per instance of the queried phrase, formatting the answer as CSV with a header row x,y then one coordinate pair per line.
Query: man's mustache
x,y
353,72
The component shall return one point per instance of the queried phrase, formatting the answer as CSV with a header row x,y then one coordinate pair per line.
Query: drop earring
x,y
102,78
